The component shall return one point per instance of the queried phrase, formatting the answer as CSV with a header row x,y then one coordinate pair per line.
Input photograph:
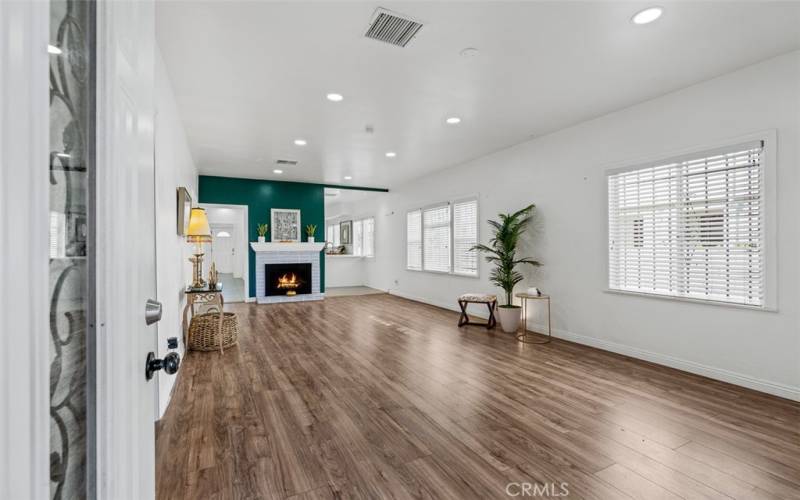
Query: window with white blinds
x,y
414,240
439,238
369,237
364,237
465,236
358,237
436,239
333,235
691,227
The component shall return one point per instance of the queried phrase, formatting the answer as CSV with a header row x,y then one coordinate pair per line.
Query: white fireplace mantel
x,y
296,252
288,247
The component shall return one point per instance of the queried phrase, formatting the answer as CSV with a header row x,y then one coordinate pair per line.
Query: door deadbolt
x,y
152,311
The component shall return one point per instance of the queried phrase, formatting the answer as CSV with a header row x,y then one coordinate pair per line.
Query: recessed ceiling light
x,y
335,97
348,177
453,120
52,49
648,15
63,155
469,52
300,142
391,154
277,171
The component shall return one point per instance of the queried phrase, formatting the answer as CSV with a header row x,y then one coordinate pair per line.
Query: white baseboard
x,y
757,384
477,310
250,299
715,373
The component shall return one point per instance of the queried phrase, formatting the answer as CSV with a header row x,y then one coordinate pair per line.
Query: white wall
x,y
344,270
564,174
174,168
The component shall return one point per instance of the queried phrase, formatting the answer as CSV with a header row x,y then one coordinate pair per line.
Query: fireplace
x,y
277,258
287,279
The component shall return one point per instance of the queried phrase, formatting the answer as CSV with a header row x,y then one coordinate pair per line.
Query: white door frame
x,y
243,243
24,215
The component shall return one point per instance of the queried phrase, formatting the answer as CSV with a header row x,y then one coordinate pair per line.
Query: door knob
x,y
152,311
169,364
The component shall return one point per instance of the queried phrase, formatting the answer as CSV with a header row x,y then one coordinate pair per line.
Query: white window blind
x,y
436,239
333,235
465,236
358,238
691,227
369,237
414,240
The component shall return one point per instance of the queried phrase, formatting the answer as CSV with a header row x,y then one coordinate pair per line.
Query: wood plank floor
x,y
380,397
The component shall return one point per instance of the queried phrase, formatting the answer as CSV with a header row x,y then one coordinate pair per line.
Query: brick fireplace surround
x,y
287,253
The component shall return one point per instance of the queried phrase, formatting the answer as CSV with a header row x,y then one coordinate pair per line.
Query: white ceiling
x,y
250,77
346,196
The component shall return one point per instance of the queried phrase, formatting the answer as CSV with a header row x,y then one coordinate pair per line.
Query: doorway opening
x,y
229,249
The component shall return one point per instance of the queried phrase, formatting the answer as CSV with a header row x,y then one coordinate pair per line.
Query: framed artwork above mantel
x,y
285,224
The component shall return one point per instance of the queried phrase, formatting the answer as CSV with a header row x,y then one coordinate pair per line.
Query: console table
x,y
202,296
523,335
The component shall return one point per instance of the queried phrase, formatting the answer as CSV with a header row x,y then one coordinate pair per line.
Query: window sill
x,y
692,300
444,273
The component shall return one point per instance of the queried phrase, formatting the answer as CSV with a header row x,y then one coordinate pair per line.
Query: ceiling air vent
x,y
286,162
391,27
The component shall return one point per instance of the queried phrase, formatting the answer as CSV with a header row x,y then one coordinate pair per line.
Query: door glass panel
x,y
71,145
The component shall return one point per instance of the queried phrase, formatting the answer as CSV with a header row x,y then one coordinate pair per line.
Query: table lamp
x,y
198,233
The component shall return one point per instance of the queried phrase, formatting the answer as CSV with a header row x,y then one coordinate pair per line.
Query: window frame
x,y
769,235
372,218
336,227
450,204
361,220
453,203
405,251
450,235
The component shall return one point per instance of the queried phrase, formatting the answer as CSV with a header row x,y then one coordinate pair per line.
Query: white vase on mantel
x,y
262,239
311,239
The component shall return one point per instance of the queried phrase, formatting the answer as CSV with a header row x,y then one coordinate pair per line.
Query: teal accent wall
x,y
261,196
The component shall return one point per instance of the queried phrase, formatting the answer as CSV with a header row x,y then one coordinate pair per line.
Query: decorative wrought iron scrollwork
x,y
70,108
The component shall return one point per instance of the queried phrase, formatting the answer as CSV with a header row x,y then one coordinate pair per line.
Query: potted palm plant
x,y
502,252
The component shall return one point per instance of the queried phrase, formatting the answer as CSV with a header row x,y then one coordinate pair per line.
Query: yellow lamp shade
x,y
199,231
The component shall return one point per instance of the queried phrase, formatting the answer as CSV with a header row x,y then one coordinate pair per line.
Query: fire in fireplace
x,y
287,279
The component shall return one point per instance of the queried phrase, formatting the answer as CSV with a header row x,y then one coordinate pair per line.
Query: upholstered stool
x,y
477,298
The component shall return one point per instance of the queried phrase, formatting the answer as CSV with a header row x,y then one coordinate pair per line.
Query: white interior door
x,y
222,248
126,249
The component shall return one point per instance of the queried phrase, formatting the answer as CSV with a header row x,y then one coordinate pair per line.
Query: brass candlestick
x,y
213,276
197,270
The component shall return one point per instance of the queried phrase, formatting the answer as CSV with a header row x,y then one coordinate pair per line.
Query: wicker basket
x,y
204,331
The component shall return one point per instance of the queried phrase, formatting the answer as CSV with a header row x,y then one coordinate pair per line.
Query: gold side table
x,y
523,336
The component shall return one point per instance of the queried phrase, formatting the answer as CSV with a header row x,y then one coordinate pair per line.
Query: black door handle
x,y
169,364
